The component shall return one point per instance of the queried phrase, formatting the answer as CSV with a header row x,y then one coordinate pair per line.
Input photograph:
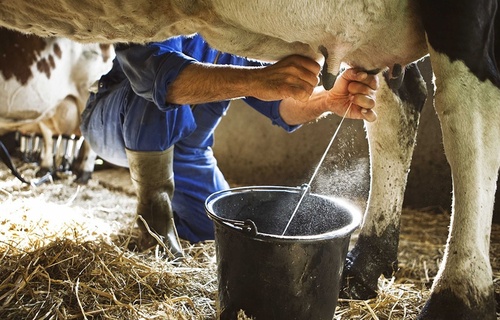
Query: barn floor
x,y
66,252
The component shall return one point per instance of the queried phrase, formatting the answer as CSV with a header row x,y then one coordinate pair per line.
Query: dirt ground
x,y
60,222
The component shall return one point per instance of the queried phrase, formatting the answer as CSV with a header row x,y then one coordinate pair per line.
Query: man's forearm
x,y
203,83
294,77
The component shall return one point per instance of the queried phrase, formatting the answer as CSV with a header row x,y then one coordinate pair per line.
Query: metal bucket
x,y
270,276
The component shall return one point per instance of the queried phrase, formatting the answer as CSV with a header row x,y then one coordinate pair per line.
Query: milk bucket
x,y
273,276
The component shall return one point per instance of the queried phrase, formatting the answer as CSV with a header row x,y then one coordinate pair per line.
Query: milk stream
x,y
307,186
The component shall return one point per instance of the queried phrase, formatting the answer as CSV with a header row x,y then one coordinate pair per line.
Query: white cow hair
x,y
470,234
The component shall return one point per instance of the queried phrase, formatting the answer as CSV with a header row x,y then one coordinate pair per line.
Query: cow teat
x,y
327,78
395,76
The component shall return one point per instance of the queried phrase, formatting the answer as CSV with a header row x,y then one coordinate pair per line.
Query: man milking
x,y
156,112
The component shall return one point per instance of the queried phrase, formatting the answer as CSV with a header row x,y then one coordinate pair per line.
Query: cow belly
x,y
381,34
370,33
91,21
35,100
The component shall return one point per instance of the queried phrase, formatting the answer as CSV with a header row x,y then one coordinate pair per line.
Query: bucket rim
x,y
239,225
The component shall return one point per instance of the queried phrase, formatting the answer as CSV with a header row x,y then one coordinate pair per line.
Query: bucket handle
x,y
247,226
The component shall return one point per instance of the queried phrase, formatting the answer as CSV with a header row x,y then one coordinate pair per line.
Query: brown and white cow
x,y
380,35
44,85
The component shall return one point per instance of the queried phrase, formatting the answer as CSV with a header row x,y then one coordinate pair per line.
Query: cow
x,y
44,86
385,36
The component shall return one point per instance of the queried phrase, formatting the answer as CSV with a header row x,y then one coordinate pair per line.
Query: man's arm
x,y
293,77
293,80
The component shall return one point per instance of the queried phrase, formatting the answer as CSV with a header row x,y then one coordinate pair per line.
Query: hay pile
x,y
68,252
68,279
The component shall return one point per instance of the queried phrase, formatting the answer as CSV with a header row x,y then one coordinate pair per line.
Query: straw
x,y
49,270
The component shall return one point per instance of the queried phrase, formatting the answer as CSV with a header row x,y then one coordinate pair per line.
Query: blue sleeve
x,y
151,68
270,109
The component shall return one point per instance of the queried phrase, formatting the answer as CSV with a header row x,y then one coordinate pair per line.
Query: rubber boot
x,y
153,177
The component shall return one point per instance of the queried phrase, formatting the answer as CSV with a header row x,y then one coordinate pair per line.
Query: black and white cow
x,y
377,35
44,86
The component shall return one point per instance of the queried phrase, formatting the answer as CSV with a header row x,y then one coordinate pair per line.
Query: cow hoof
x,y
84,177
356,287
446,305
370,258
42,172
357,284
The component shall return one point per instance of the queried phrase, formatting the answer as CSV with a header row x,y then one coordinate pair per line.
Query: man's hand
x,y
292,77
355,88
352,88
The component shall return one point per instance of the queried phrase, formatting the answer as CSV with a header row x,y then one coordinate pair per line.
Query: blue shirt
x,y
152,68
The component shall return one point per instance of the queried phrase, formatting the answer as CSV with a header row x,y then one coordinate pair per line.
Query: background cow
x,y
44,85
377,35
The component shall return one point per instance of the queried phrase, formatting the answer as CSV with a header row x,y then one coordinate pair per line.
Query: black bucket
x,y
270,276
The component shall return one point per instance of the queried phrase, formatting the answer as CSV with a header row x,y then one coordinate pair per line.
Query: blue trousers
x,y
117,118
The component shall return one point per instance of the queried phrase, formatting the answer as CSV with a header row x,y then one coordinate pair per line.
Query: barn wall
x,y
250,151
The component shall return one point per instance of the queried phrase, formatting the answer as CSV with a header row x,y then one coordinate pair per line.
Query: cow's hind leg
x,y
469,112
83,165
391,141
47,156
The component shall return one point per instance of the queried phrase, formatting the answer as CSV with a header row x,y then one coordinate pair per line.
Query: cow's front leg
x,y
469,112
391,140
